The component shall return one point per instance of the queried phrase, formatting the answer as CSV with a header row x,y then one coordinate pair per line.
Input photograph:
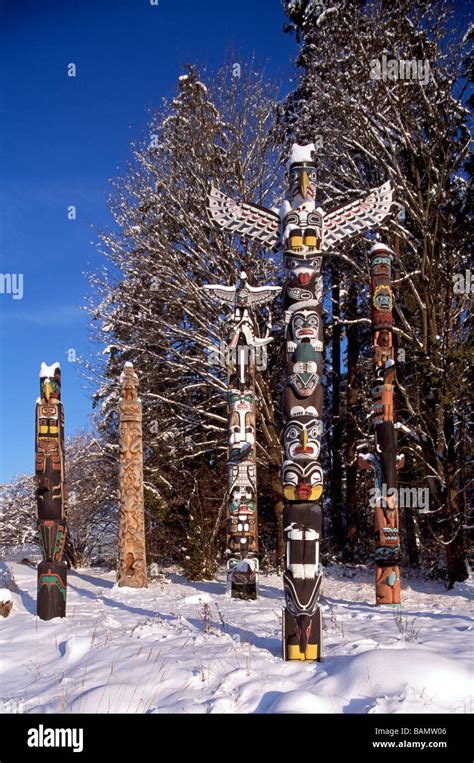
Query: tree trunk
x,y
336,424
352,525
453,533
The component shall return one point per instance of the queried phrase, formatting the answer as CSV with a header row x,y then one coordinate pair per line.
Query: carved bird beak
x,y
304,183
47,390
305,438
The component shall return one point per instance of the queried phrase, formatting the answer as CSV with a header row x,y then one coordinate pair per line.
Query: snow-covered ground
x,y
187,647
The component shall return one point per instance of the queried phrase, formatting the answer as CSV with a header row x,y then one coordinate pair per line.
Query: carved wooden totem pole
x,y
384,461
131,569
50,494
244,350
305,233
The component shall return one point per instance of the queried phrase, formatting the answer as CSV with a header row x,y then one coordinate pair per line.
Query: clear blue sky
x,y
62,138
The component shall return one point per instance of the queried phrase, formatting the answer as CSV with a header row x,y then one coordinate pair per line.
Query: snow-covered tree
x,y
149,308
383,87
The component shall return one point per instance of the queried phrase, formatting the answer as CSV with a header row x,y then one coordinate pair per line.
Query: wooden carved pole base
x,y
132,570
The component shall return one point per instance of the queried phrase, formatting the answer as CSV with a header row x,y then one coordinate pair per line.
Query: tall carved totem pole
x,y
384,461
50,494
131,570
243,351
305,233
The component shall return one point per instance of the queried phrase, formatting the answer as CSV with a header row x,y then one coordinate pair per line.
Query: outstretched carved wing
x,y
262,295
224,293
358,216
247,220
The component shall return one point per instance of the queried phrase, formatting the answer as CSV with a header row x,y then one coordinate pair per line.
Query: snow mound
x,y
401,673
5,595
299,701
199,598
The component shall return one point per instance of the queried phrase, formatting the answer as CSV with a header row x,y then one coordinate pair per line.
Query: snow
x,y
5,595
48,371
380,247
182,646
300,154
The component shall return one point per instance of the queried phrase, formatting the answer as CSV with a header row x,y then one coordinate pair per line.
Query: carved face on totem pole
x,y
302,438
304,323
302,181
241,424
302,480
304,372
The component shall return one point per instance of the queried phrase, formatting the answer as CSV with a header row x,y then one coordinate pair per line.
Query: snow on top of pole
x,y
300,154
46,370
379,247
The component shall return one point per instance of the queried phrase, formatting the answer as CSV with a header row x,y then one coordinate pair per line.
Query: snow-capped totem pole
x,y
243,351
384,461
131,569
305,233
50,494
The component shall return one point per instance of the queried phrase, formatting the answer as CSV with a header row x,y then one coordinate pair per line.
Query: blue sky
x,y
62,138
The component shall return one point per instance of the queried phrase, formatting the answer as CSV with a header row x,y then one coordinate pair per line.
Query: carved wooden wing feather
x,y
224,293
358,216
261,295
247,220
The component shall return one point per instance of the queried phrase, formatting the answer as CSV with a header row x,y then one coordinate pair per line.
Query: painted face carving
x,y
305,324
242,501
302,181
302,438
382,299
241,425
302,481
380,266
50,386
303,377
302,260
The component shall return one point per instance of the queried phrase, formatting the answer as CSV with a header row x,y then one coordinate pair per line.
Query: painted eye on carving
x,y
293,433
313,321
314,433
291,478
312,175
298,322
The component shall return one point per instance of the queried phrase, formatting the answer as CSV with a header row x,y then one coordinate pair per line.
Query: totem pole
x,y
50,494
243,350
131,570
305,233
384,461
